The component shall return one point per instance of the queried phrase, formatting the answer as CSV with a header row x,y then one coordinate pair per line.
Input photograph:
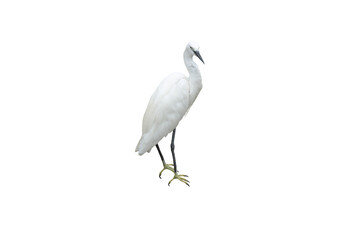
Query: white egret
x,y
167,106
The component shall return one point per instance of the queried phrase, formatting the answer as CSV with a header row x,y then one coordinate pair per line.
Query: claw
x,y
186,182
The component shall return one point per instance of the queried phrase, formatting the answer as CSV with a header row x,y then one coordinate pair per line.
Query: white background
x,y
271,145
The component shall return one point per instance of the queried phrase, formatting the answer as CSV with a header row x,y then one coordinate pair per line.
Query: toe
x,y
186,183
184,180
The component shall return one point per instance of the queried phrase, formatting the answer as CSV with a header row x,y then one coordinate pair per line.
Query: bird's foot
x,y
180,178
167,166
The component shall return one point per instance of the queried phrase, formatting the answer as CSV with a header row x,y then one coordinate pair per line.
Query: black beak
x,y
199,56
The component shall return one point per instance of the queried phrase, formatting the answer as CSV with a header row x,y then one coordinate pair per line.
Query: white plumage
x,y
168,105
170,102
166,108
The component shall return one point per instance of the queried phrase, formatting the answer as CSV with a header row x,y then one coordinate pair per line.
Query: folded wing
x,y
166,108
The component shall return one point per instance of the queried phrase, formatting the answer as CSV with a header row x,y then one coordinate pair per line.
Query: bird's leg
x,y
176,175
166,166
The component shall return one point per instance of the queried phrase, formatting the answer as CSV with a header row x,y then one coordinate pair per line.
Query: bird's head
x,y
193,49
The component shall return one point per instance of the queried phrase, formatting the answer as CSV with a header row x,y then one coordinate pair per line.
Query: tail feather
x,y
141,147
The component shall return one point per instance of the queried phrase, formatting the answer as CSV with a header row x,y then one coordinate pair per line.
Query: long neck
x,y
191,66
195,82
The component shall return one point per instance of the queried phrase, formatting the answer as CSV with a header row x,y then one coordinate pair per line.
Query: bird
x,y
169,103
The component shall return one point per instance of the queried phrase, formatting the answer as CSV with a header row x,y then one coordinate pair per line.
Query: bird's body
x,y
170,102
166,108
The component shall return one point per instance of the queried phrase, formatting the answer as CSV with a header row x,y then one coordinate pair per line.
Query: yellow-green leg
x,y
181,178
168,167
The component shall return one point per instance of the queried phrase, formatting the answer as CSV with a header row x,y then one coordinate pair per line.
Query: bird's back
x,y
166,108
